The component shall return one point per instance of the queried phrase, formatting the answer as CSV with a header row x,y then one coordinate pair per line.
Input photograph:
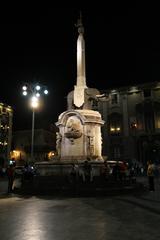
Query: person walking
x,y
150,174
10,175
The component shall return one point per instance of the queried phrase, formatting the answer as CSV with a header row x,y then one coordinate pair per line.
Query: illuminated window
x,y
115,129
133,125
115,123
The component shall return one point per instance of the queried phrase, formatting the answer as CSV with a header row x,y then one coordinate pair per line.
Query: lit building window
x,y
133,125
15,154
112,129
51,155
6,114
115,129
115,123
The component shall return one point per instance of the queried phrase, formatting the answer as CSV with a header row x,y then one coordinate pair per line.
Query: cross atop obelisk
x,y
81,71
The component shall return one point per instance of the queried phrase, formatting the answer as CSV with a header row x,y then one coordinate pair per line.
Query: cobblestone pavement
x,y
132,217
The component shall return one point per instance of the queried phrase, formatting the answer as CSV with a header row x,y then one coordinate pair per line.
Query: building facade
x,y
132,122
6,117
44,146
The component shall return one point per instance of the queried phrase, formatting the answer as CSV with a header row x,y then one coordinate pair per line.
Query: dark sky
x,y
39,45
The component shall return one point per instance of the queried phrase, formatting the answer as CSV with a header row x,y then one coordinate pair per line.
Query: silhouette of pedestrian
x,y
150,174
10,174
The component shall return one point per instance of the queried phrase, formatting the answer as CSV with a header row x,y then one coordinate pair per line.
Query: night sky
x,y
39,45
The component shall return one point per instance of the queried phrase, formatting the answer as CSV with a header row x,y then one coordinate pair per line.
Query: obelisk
x,y
79,133
79,89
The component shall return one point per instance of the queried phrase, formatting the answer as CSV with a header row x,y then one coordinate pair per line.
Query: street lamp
x,y
34,91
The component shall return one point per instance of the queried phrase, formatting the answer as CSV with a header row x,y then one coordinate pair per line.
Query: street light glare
x,y
24,88
34,102
38,94
38,87
25,93
34,93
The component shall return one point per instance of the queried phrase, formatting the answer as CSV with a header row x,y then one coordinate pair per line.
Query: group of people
x,y
119,171
15,179
86,172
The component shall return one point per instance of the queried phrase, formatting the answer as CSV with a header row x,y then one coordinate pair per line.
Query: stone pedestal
x,y
79,135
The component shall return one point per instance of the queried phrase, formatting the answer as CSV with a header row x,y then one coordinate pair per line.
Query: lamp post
x,y
34,104
34,91
134,128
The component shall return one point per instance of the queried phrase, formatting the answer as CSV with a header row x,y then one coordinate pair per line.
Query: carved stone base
x,y
80,134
